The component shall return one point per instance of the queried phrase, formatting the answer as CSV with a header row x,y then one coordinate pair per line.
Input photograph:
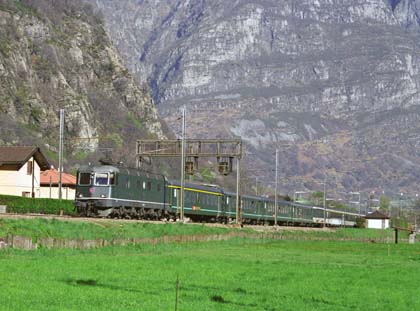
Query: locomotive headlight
x,y
80,195
102,195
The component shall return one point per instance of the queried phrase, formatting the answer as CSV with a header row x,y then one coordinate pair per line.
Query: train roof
x,y
246,196
116,169
100,169
328,209
198,186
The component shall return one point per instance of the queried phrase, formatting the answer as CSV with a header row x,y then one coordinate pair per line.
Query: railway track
x,y
98,221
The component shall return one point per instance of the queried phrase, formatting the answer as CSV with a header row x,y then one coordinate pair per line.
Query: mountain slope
x,y
336,81
56,55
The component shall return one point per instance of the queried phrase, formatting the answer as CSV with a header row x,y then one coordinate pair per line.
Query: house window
x,y
29,168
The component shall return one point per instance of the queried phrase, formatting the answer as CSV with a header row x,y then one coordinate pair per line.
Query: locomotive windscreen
x,y
101,179
84,178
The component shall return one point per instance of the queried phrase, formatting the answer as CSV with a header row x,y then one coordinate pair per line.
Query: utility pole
x,y
400,205
415,212
390,210
324,201
358,202
183,164
276,186
238,178
60,154
256,186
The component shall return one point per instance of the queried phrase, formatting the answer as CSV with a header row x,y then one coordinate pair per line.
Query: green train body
x,y
110,191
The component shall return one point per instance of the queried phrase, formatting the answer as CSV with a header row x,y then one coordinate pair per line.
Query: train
x,y
112,191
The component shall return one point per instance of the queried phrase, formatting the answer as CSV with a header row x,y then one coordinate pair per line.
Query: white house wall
x,y
378,223
8,182
66,192
18,182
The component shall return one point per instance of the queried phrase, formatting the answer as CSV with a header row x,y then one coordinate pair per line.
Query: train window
x,y
227,200
158,187
112,179
128,183
144,185
149,185
101,179
84,178
138,183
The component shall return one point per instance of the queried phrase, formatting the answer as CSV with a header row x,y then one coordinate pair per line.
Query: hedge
x,y
21,205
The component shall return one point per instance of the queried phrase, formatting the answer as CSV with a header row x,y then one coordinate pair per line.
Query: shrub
x,y
17,204
360,222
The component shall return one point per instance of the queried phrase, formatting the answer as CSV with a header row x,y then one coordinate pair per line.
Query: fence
x,y
27,243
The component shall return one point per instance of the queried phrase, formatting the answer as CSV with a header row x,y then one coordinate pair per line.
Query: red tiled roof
x,y
15,155
52,176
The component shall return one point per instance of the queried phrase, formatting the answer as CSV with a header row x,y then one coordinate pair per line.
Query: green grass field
x,y
97,229
239,274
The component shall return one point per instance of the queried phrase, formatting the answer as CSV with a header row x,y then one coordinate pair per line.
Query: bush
x,y
17,204
360,222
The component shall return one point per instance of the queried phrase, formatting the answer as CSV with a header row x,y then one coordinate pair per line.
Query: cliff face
x,y
56,54
335,81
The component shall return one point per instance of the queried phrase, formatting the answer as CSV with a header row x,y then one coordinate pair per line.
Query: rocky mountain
x,y
57,55
332,84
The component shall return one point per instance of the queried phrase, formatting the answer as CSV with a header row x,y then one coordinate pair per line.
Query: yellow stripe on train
x,y
196,190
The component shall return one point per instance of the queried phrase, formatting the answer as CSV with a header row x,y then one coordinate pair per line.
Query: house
x,y
20,169
50,185
377,220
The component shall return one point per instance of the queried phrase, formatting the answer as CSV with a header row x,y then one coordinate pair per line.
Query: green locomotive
x,y
110,191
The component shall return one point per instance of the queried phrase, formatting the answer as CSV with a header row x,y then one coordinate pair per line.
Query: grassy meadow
x,y
99,229
111,229
239,274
